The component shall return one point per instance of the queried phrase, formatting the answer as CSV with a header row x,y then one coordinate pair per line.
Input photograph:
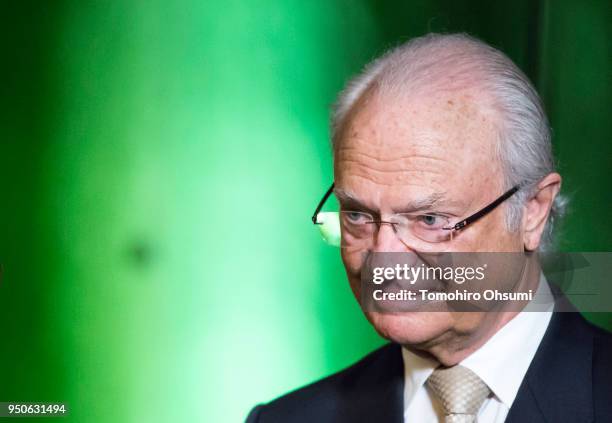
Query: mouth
x,y
433,285
398,296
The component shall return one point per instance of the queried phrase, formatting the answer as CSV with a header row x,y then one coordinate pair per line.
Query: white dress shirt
x,y
501,363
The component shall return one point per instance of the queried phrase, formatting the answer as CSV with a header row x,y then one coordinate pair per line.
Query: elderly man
x,y
442,145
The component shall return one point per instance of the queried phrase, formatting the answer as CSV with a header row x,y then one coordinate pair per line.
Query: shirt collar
x,y
417,370
501,362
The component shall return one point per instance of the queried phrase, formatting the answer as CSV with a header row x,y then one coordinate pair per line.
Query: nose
x,y
386,240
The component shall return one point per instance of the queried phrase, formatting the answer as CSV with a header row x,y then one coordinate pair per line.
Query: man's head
x,y
443,125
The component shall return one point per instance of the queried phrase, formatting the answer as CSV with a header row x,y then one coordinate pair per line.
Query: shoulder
x,y
602,351
602,373
576,323
321,400
582,353
571,330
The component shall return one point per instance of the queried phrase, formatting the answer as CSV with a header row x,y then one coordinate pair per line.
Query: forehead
x,y
438,142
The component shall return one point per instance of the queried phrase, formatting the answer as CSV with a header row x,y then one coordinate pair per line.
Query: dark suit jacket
x,y
569,380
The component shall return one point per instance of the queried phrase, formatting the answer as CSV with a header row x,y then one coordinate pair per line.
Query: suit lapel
x,y
558,383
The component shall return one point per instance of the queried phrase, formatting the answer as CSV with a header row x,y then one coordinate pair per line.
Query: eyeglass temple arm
x,y
473,218
321,204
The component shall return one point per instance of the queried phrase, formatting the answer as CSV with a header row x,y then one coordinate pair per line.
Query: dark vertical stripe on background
x,y
534,40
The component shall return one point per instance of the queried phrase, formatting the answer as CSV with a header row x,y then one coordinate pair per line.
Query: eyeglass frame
x,y
456,227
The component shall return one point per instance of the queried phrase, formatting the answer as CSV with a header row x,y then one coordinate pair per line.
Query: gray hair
x,y
454,61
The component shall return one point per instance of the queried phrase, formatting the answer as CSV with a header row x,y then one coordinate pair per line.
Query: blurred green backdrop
x,y
160,161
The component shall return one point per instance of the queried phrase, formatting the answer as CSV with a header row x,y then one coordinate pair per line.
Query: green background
x,y
160,161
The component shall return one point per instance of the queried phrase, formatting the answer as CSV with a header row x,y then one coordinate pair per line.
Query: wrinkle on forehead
x,y
384,153
389,164
405,172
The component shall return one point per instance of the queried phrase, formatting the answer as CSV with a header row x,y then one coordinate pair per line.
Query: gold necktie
x,y
460,391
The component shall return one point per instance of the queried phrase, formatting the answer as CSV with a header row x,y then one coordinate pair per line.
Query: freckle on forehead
x,y
433,121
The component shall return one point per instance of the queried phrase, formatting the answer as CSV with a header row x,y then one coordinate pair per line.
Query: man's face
x,y
392,154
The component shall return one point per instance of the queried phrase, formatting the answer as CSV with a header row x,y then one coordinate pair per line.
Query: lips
x,y
395,285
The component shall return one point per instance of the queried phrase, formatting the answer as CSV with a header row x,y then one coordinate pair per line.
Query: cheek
x,y
353,263
497,238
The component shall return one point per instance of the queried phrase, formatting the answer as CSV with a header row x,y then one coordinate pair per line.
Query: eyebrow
x,y
431,201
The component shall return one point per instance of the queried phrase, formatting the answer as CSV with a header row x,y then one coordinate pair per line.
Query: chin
x,y
411,329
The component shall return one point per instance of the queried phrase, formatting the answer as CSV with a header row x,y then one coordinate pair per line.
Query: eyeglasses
x,y
355,229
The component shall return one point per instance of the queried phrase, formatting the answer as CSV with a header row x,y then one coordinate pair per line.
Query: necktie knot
x,y
460,391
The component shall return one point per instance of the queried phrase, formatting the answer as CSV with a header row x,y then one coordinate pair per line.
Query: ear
x,y
537,210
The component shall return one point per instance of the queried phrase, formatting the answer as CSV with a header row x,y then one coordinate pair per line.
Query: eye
x,y
356,217
432,221
429,219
